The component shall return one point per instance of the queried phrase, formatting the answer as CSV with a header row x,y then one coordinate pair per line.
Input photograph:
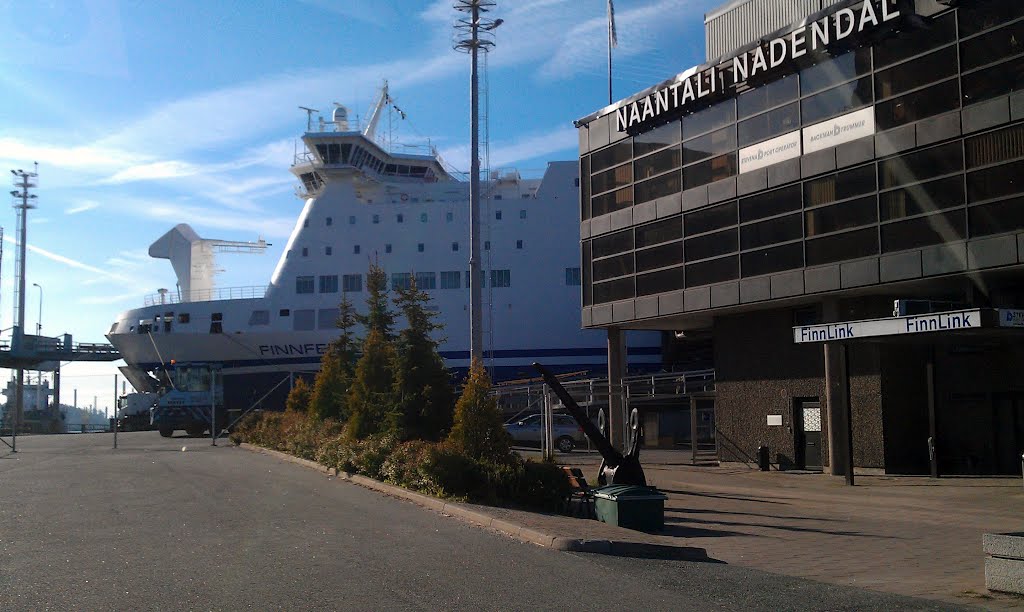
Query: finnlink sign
x,y
894,326
723,79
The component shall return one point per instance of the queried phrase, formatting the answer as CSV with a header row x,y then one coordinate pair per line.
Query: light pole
x,y
39,332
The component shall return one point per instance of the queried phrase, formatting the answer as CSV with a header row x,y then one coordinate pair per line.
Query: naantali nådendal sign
x,y
690,88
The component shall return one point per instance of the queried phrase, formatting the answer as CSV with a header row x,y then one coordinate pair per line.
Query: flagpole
x,y
611,34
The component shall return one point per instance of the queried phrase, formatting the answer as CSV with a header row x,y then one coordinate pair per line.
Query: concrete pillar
x,y
836,394
616,370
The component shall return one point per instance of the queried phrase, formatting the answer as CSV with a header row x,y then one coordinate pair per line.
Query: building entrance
x,y
807,418
1008,425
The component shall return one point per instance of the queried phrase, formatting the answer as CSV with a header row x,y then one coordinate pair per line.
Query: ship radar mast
x,y
378,109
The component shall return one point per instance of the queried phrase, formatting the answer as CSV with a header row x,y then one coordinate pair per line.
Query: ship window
x,y
401,218
487,245
497,215
497,196
183,317
216,326
345,150
419,247
305,251
284,312
303,284
526,196
305,223
426,280
330,221
328,250
376,218
217,317
389,169
352,220
455,246
304,320
449,217
501,278
423,216
387,248
355,249
572,277
519,244
451,280
327,318
352,283
259,317
329,283
522,213
400,280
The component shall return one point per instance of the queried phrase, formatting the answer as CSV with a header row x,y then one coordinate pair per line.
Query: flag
x,y
613,40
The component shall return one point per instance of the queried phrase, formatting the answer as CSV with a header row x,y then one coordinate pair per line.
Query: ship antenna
x,y
473,35
309,117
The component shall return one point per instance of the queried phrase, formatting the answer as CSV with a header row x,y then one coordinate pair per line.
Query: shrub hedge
x,y
435,468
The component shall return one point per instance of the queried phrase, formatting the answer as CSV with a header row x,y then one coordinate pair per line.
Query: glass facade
x,y
943,190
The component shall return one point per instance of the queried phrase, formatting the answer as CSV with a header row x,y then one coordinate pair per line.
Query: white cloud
x,y
82,207
67,260
530,146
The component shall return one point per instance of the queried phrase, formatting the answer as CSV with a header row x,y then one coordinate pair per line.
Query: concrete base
x,y
1004,562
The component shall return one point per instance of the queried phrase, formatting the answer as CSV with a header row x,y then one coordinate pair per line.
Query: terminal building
x,y
836,200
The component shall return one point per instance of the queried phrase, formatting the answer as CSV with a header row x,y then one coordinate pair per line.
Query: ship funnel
x,y
340,118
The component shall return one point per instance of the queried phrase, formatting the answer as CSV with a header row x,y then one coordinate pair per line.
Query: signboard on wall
x,y
872,328
838,130
770,152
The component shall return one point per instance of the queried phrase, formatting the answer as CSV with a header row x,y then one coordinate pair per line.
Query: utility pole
x,y
23,201
475,35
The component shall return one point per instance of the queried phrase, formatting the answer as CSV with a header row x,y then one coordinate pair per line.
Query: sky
x,y
145,114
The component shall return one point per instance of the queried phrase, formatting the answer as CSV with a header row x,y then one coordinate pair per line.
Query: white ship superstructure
x,y
406,212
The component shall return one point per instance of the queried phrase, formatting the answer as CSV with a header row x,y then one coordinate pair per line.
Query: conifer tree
x,y
329,398
379,316
422,386
370,399
298,396
478,430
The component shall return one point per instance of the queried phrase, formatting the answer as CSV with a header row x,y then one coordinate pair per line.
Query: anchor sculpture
x,y
616,468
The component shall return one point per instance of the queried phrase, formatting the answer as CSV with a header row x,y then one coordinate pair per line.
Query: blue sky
x,y
144,114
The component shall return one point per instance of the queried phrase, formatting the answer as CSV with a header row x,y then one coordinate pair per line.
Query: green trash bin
x,y
630,506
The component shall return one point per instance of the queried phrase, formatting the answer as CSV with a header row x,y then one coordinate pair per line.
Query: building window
x,y
572,277
519,244
355,249
387,248
522,212
497,215
423,217
400,280
352,283
329,283
449,217
330,221
451,280
426,280
303,284
328,250
501,278
305,251
455,246
352,220
419,247
376,218
400,217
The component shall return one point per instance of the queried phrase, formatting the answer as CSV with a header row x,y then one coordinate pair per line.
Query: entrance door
x,y
1008,433
808,434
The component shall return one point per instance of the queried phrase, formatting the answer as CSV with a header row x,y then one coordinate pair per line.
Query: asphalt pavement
x,y
152,526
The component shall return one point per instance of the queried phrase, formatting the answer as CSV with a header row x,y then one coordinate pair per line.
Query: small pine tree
x,y
330,388
298,396
370,397
422,389
478,430
378,317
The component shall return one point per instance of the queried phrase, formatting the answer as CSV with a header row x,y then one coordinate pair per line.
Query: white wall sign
x,y
919,324
774,420
838,130
1011,317
770,152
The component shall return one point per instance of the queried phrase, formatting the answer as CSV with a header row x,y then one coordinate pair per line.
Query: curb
x,y
457,510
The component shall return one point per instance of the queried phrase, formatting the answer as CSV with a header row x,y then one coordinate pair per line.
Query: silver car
x,y
528,431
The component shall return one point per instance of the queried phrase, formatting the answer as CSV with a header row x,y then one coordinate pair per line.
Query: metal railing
x,y
207,295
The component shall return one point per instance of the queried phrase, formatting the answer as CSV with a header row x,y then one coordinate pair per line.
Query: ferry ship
x,y
410,215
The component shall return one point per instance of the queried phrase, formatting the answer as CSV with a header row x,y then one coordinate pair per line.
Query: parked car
x,y
528,431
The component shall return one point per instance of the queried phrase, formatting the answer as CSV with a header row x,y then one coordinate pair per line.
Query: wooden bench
x,y
580,501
